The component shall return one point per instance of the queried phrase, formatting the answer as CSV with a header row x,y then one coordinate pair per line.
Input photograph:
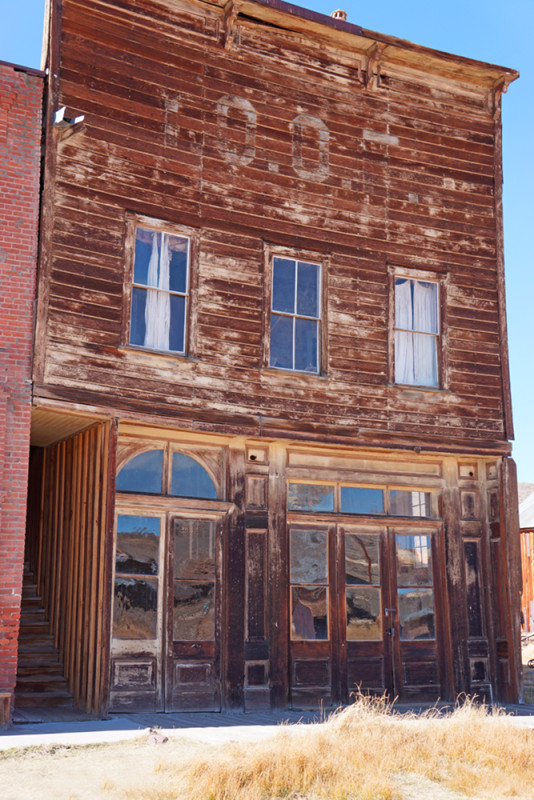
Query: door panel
x,y
311,619
193,629
390,624
365,626
136,674
416,657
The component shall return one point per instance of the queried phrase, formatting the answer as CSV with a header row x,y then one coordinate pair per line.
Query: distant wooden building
x,y
526,525
271,396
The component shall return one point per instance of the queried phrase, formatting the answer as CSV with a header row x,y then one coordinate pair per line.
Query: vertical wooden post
x,y
278,578
233,636
454,559
107,515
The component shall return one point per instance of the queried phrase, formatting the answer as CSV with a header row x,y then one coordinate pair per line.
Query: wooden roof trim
x,y
394,51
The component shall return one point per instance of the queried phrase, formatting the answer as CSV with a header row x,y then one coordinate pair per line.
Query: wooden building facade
x,y
271,396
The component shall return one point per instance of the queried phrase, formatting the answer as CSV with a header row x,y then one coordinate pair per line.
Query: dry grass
x,y
366,752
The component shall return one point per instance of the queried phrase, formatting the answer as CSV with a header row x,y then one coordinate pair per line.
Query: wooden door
x,y
388,612
366,611
193,628
313,624
416,613
136,651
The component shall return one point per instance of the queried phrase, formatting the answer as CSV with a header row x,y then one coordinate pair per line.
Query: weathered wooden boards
x,y
275,139
73,572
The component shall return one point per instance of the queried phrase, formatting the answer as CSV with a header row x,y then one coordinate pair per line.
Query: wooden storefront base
x,y
5,709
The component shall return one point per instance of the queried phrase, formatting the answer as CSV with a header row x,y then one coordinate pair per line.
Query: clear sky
x,y
495,31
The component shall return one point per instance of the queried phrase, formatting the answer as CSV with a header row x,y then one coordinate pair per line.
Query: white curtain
x,y
404,355
158,301
425,304
416,309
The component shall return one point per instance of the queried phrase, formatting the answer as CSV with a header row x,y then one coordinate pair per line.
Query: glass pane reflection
x,y
194,549
135,605
414,560
194,612
416,614
137,550
309,613
364,614
143,473
310,497
360,500
309,561
190,479
361,559
409,504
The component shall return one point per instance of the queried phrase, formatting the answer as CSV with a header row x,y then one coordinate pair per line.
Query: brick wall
x,y
20,136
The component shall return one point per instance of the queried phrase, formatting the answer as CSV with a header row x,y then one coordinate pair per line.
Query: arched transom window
x,y
147,473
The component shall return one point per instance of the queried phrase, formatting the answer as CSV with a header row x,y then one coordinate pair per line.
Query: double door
x,y
364,613
165,653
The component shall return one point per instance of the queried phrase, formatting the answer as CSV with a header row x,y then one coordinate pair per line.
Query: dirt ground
x,y
111,772
115,772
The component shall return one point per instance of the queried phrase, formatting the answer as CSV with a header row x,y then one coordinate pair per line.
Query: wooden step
x,y
41,684
40,674
41,667
30,699
39,627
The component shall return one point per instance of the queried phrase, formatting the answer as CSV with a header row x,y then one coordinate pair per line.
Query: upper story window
x,y
160,290
295,340
417,331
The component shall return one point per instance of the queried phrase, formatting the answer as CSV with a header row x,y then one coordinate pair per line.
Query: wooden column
x,y
278,578
234,582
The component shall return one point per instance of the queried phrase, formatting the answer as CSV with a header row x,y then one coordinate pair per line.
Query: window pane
x,y
284,285
414,560
281,342
306,344
143,473
416,614
409,504
309,617
309,497
425,360
403,304
404,357
179,249
309,560
135,608
308,289
361,559
194,549
144,240
425,306
359,500
190,479
177,324
194,612
364,614
137,548
137,320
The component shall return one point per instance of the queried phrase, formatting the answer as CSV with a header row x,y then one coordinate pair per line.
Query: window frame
x,y
429,275
133,222
311,257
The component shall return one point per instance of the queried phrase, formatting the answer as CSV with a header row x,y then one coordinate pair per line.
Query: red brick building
x,y
21,92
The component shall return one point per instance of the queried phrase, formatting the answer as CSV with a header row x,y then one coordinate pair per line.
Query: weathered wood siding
x,y
72,564
399,172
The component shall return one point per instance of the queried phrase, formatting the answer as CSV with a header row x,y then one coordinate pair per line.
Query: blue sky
x,y
489,30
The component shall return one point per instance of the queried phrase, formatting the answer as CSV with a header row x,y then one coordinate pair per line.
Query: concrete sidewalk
x,y
211,728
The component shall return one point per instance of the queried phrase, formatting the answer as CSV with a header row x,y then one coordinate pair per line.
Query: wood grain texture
x,y
273,142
